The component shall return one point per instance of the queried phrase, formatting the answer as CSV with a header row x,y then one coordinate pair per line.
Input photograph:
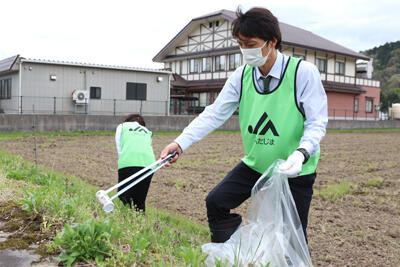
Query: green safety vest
x,y
136,149
271,123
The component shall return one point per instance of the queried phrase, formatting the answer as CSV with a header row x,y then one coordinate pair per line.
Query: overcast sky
x,y
131,33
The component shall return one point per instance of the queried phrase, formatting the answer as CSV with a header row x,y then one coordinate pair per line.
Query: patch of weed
x,y
374,182
333,192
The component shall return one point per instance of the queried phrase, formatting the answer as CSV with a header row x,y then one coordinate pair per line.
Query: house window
x,y
303,57
194,65
95,92
203,99
356,105
220,63
339,68
210,25
321,64
5,88
206,66
136,91
234,61
194,103
368,105
215,95
217,23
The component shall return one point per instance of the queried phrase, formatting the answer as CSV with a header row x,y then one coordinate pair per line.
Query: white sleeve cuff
x,y
184,144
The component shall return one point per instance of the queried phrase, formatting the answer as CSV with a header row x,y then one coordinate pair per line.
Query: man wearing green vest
x,y
282,113
133,141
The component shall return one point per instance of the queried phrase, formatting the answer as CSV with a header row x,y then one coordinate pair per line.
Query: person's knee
x,y
212,200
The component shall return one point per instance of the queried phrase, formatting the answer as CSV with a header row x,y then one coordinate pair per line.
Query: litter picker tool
x,y
106,201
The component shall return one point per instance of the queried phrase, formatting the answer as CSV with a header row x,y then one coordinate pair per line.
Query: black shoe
x,y
222,230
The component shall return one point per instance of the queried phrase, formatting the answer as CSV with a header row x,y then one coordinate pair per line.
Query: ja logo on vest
x,y
268,126
138,129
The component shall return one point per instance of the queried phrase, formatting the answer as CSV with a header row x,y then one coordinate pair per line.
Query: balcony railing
x,y
330,77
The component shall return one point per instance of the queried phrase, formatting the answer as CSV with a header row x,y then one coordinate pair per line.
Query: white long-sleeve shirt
x,y
310,95
118,134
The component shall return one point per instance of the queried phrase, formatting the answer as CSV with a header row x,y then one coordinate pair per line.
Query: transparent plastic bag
x,y
271,232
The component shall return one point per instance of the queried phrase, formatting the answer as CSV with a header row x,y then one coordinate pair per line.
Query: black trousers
x,y
137,194
236,187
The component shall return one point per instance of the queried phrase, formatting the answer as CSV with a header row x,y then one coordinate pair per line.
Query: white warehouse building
x,y
57,87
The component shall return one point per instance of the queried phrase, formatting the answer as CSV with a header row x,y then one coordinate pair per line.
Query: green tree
x,y
388,97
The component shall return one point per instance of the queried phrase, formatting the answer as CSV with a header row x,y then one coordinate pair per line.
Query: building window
x,y
234,61
339,68
203,99
5,88
356,105
95,92
368,105
210,25
194,65
216,95
217,23
194,103
303,57
206,66
136,91
220,63
321,64
180,67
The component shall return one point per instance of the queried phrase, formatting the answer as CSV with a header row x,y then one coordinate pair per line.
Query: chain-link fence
x,y
65,105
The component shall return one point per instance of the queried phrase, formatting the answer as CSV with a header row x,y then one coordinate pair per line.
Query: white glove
x,y
292,166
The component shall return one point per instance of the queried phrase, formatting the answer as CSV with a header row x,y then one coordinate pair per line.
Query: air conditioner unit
x,y
80,96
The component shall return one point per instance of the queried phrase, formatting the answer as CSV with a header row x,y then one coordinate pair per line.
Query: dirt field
x,y
359,228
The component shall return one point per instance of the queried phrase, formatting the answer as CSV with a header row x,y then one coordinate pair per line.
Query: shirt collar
x,y
275,70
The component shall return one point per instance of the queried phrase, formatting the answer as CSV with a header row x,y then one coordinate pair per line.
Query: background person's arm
x,y
118,133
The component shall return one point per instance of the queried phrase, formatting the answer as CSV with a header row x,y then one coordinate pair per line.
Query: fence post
x,y
54,105
21,104
334,117
114,106
141,107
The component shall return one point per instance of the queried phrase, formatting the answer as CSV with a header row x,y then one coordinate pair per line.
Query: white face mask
x,y
253,56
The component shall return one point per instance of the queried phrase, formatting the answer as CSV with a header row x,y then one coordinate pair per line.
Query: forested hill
x,y
387,69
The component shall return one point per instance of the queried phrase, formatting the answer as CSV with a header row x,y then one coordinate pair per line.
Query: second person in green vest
x,y
135,151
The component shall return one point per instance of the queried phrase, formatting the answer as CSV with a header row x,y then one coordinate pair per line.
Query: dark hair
x,y
257,22
135,117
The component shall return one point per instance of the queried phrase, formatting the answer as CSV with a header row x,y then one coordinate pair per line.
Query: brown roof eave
x,y
348,91
7,72
342,88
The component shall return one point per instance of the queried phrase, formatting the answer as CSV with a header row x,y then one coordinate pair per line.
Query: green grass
x,y
159,238
334,192
374,182
4,136
16,135
362,130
